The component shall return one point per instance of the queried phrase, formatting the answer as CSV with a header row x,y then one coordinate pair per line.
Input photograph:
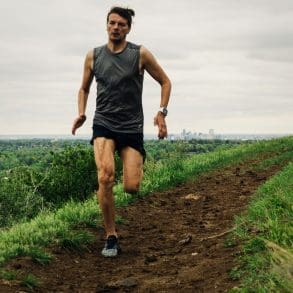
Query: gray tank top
x,y
119,89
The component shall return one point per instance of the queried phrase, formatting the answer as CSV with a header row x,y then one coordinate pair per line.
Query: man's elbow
x,y
167,83
84,91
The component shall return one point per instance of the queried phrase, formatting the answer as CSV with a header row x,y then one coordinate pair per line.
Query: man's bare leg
x,y
132,169
104,150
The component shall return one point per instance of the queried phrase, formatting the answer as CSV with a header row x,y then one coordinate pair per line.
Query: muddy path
x,y
172,241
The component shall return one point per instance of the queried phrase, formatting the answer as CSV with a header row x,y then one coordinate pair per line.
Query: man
x,y
118,68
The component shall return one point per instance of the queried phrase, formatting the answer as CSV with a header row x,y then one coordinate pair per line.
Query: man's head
x,y
119,22
126,13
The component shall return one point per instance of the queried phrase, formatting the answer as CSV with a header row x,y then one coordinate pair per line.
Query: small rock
x,y
192,196
194,253
129,282
150,258
126,283
186,240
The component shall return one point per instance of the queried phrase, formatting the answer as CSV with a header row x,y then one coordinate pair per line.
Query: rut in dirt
x,y
172,241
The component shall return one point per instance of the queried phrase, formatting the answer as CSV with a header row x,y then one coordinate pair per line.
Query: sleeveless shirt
x,y
119,89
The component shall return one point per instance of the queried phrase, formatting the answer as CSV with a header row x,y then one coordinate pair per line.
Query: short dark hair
x,y
126,13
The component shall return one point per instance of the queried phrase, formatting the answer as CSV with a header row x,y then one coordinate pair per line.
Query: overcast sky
x,y
230,63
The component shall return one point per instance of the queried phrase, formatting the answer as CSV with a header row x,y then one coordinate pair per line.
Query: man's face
x,y
117,28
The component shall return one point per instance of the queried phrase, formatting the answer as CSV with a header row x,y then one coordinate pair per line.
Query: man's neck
x,y
116,47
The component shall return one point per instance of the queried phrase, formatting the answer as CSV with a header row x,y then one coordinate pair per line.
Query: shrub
x,y
72,175
19,198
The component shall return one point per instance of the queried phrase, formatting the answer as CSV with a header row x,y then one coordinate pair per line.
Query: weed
x,y
76,240
254,245
30,281
235,274
40,256
230,241
119,220
8,275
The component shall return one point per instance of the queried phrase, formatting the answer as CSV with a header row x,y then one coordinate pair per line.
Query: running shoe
x,y
112,247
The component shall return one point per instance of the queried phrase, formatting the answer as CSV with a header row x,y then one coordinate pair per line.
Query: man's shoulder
x,y
134,46
99,48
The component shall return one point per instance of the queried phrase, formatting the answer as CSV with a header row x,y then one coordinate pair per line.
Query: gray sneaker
x,y
112,247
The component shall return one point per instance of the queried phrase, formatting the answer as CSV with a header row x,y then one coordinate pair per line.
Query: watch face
x,y
165,111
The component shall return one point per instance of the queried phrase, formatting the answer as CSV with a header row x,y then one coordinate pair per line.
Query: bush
x,y
72,175
19,198
26,190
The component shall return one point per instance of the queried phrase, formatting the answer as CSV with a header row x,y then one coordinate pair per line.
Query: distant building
x,y
211,134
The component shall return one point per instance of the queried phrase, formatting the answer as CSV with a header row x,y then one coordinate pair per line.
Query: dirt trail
x,y
172,241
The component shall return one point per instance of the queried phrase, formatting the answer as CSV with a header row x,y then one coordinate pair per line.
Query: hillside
x,y
172,240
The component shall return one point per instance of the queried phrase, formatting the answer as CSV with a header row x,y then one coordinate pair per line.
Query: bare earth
x,y
172,241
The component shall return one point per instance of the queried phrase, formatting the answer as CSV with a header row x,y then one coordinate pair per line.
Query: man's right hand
x,y
78,122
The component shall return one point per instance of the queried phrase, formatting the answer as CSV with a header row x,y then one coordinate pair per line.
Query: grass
x,y
30,281
8,275
76,240
281,158
266,231
56,228
39,256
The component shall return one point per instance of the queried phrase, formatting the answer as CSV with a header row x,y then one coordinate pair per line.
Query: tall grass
x,y
49,228
266,230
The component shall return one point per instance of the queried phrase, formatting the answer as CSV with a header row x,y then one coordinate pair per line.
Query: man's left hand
x,y
160,121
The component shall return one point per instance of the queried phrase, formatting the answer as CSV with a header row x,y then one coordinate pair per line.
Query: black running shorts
x,y
122,140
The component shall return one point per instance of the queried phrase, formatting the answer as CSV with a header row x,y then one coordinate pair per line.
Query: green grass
x,y
8,275
30,281
39,256
55,228
281,158
266,231
76,240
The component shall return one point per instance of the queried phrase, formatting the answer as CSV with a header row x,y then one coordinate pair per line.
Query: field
x,y
179,234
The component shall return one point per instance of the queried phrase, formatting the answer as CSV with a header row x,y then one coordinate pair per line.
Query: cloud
x,y
229,62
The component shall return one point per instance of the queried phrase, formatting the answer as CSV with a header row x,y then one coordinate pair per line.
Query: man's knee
x,y
106,177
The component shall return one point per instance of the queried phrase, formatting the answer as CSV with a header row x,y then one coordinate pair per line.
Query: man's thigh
x,y
104,150
132,168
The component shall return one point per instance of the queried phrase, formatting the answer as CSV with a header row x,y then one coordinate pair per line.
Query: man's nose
x,y
116,25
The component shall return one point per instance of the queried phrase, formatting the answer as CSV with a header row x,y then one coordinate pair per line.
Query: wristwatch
x,y
164,111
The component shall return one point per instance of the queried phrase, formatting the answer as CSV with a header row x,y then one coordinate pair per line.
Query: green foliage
x,y
25,191
39,256
30,281
19,199
8,275
265,257
43,174
25,238
71,176
76,240
283,157
50,227
162,149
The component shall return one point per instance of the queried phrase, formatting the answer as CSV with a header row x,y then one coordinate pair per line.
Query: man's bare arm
x,y
84,91
150,64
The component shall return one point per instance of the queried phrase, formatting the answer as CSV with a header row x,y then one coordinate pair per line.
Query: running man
x,y
118,68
